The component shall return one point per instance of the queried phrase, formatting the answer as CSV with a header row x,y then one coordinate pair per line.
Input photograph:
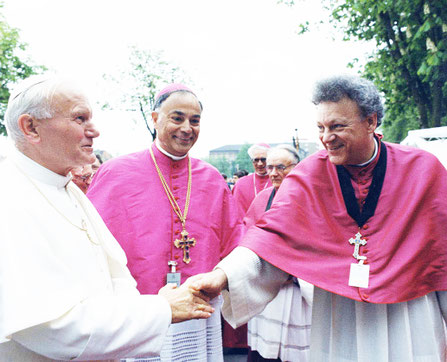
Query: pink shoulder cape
x,y
247,188
257,207
307,230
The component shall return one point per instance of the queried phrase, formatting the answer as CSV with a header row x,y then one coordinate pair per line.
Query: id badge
x,y
173,278
359,275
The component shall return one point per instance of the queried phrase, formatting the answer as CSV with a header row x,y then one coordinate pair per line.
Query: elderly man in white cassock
x,y
65,290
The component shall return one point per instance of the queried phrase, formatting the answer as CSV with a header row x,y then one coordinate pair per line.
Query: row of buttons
x,y
177,221
364,251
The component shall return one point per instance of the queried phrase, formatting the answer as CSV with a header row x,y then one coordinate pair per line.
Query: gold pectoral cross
x,y
185,243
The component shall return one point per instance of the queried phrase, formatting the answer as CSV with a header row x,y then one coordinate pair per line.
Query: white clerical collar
x,y
36,170
175,158
376,150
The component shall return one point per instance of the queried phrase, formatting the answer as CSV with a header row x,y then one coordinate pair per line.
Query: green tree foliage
x,y
410,62
145,74
229,167
12,65
222,164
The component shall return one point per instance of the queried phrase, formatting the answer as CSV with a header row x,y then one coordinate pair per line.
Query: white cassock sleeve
x,y
252,284
126,326
63,295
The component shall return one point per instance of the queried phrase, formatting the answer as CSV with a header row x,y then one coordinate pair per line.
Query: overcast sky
x,y
252,71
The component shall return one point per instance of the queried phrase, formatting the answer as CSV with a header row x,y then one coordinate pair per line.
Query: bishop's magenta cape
x,y
307,230
247,188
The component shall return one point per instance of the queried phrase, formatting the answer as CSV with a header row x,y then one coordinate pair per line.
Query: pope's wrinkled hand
x,y
186,302
210,284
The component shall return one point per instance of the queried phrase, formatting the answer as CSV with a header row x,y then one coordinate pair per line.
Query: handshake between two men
x,y
191,299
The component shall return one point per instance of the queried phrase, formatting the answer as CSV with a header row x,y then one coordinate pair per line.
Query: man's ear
x,y
372,122
28,127
154,118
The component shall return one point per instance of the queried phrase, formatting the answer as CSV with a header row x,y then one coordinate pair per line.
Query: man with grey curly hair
x,y
360,90
363,221
65,290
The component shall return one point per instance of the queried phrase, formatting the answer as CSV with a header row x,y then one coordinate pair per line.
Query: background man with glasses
x,y
282,330
248,187
82,177
244,192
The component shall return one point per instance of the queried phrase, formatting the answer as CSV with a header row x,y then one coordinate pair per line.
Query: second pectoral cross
x,y
185,243
358,241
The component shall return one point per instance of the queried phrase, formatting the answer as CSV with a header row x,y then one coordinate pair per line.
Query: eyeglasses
x,y
256,160
86,177
83,177
279,168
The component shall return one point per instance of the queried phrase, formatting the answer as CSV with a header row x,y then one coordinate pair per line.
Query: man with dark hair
x,y
174,215
364,221
238,175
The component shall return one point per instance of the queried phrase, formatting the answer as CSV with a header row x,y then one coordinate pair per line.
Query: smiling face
x,y
347,137
66,140
178,123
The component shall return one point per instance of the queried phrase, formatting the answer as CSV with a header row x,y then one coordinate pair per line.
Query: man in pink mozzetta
x,y
173,215
364,221
281,332
244,192
248,187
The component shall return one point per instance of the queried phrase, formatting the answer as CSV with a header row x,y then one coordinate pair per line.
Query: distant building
x,y
308,147
229,152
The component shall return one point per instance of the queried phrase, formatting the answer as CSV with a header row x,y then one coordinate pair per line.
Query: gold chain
x,y
83,223
171,198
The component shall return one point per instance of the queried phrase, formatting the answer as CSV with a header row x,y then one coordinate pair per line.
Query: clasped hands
x,y
191,299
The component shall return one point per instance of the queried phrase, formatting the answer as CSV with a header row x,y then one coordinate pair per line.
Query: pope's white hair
x,y
31,96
